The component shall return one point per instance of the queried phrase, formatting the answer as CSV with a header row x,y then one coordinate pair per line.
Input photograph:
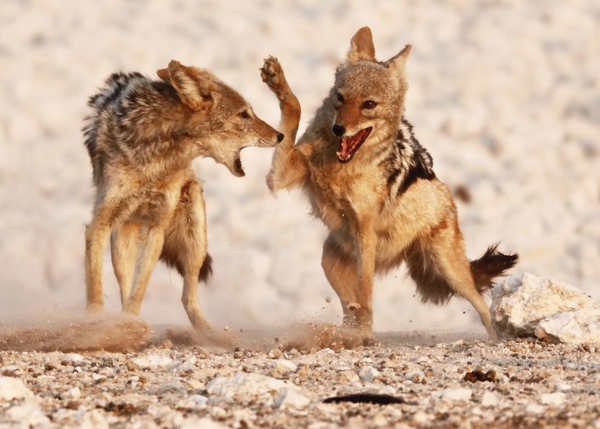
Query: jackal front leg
x,y
367,244
288,167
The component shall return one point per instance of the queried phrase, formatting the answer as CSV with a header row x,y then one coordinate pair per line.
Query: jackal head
x,y
218,119
368,96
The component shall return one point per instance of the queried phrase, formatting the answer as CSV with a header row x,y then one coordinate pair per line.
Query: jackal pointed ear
x,y
164,74
361,46
399,61
193,89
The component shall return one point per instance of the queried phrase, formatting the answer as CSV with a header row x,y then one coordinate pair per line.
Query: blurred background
x,y
504,94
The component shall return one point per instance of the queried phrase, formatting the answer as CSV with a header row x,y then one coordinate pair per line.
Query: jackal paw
x,y
94,309
272,74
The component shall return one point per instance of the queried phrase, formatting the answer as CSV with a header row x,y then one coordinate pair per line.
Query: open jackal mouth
x,y
349,146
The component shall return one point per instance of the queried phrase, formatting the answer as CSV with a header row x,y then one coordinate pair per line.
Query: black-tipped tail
x,y
173,261
492,264
206,270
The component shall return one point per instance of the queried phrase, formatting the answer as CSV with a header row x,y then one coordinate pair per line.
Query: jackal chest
x,y
341,198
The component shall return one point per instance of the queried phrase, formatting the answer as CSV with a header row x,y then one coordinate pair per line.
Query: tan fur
x,y
382,203
142,138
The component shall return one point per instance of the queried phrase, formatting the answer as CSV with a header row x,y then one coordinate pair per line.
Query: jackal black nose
x,y
339,130
280,137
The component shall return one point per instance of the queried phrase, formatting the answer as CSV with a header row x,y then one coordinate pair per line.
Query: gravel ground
x,y
443,380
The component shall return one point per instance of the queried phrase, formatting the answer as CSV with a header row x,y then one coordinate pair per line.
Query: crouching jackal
x,y
142,138
371,182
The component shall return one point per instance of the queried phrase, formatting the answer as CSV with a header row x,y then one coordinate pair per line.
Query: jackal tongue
x,y
349,146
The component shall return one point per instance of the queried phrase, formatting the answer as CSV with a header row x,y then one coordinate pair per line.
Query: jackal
x,y
371,182
142,138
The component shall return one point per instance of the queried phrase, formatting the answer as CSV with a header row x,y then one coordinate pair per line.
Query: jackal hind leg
x,y
441,269
96,238
124,246
162,208
341,272
185,247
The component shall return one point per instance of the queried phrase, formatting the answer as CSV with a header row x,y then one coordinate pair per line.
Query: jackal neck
x,y
406,162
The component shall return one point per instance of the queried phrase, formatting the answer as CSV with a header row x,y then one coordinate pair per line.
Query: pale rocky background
x,y
504,94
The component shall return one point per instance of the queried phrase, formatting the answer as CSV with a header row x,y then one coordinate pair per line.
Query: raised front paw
x,y
272,74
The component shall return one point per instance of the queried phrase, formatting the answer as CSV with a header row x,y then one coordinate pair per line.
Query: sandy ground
x,y
504,94
439,379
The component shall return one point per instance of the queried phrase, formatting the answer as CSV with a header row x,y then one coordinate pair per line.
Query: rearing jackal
x,y
371,182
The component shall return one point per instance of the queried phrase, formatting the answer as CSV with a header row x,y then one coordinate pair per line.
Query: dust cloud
x,y
119,332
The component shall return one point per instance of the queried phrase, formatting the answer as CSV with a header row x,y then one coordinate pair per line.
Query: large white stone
x,y
368,373
291,398
28,414
555,399
284,366
246,383
520,303
489,399
204,423
152,361
458,394
71,358
581,326
11,388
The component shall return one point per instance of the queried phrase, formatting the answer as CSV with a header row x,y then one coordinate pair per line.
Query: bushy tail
x,y
492,264
173,261
206,270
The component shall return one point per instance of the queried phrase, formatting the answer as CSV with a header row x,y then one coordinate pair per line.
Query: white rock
x,y
562,387
94,420
349,376
319,425
74,393
71,358
420,417
98,377
152,361
284,365
218,412
380,421
368,373
28,414
555,399
204,423
580,326
245,383
387,390
199,399
520,303
11,371
535,409
291,398
489,399
11,388
195,402
458,394
415,376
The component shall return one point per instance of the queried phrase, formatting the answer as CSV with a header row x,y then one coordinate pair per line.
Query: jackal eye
x,y
340,98
369,104
244,114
